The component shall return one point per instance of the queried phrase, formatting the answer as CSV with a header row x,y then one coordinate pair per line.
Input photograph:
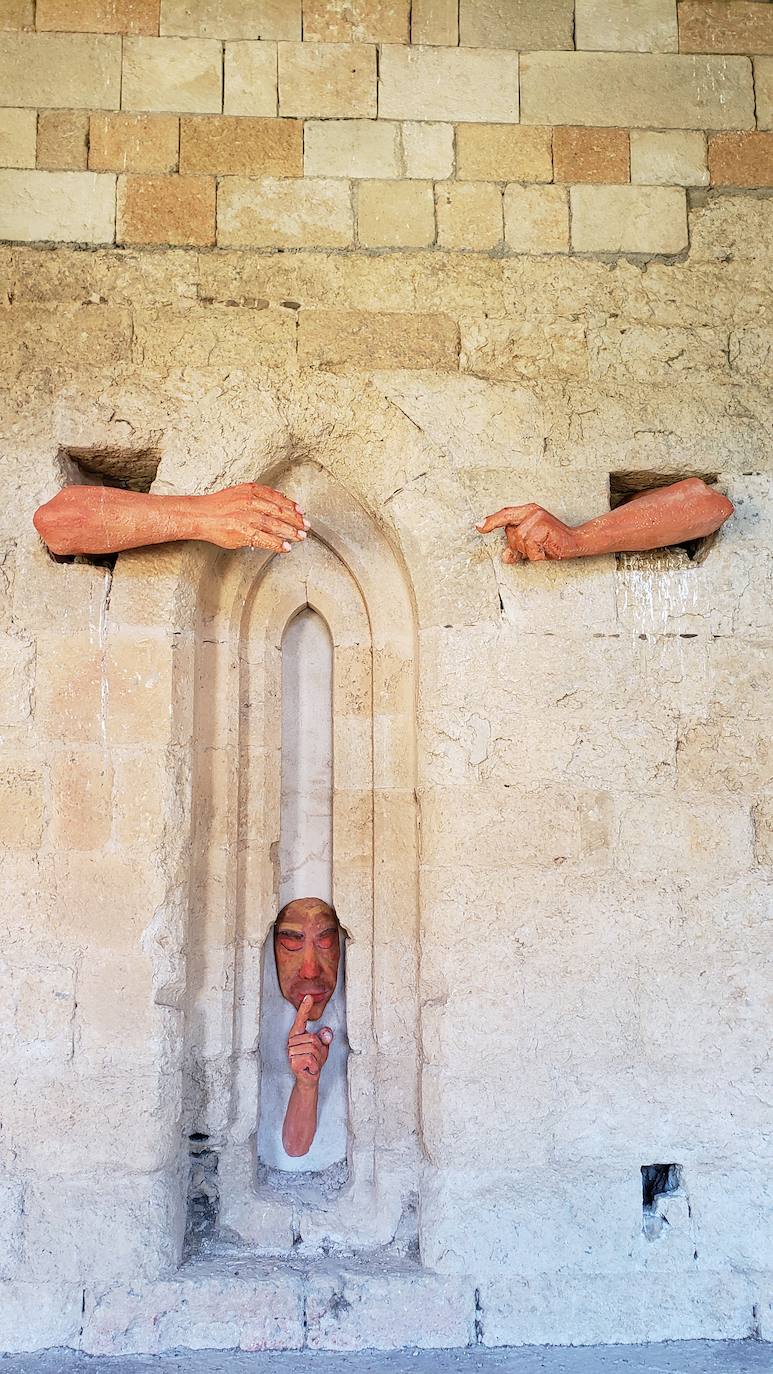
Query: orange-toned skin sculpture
x,y
651,520
95,520
307,948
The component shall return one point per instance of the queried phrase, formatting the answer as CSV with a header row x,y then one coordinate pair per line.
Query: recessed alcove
x,y
625,485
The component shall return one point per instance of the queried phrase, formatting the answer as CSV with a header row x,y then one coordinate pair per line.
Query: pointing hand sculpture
x,y
307,951
650,520
95,520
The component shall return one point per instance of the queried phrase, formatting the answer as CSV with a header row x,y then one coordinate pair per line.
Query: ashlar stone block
x,y
18,134
519,24
742,26
60,70
387,1312
276,213
395,214
134,143
741,159
35,1316
239,19
626,25
98,16
469,215
351,148
17,14
435,22
763,88
241,146
63,207
628,219
175,75
642,90
448,84
593,155
327,80
536,219
173,209
428,150
503,152
356,21
341,338
62,139
668,159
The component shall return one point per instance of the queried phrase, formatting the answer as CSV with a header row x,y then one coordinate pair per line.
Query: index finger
x,y
278,498
302,1015
508,515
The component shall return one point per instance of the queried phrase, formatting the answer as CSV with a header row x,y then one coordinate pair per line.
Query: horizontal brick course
x,y
174,75
173,209
98,16
628,219
596,155
503,152
234,146
357,21
310,212
733,26
329,80
232,18
134,142
648,90
250,79
354,338
741,159
63,207
455,84
60,70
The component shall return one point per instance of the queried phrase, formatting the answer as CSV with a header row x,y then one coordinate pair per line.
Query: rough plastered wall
x,y
446,256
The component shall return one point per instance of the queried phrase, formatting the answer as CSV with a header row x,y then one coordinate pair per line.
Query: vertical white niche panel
x,y
306,813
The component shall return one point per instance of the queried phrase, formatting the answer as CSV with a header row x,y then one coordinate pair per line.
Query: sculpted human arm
x,y
307,1053
96,520
651,520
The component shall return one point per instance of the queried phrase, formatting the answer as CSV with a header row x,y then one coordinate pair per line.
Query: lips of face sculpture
x,y
307,949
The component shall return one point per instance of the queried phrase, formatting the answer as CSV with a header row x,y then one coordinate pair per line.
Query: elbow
x,y
710,506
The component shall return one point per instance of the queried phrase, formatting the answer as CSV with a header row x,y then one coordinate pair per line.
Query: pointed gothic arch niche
x,y
348,575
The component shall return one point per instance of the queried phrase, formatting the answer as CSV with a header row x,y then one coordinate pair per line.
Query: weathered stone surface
x,y
503,152
60,70
469,215
285,214
98,16
37,1316
172,74
360,21
763,89
628,219
214,338
63,139
395,214
344,1312
448,84
178,209
230,146
716,26
741,159
250,79
647,90
536,219
428,150
596,155
628,26
134,143
351,148
333,338
668,159
75,207
327,80
240,19
18,14
18,133
435,22
516,23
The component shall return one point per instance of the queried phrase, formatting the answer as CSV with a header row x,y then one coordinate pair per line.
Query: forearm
x,y
93,520
300,1121
655,519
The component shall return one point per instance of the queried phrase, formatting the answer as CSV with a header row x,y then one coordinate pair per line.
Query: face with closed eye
x,y
307,951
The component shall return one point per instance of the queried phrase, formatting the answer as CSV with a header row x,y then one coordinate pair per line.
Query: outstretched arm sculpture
x,y
94,520
307,950
651,520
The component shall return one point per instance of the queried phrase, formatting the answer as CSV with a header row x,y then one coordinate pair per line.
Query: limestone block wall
x,y
411,261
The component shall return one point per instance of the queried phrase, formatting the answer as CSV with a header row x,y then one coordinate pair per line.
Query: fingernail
x,y
301,534
306,523
479,524
285,546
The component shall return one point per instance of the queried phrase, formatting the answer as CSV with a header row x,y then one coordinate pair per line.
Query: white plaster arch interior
x,y
348,574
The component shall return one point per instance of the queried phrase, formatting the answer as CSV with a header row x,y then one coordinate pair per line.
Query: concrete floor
x,y
683,1357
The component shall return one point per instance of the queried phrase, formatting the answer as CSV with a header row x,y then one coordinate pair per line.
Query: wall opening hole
x,y
127,469
203,1196
665,1203
623,486
659,1180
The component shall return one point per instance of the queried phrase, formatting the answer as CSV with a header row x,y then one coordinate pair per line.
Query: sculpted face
x,y
307,950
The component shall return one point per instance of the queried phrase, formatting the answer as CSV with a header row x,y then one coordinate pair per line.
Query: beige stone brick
x,y
435,22
398,214
232,18
312,212
21,808
17,14
600,155
69,696
536,219
60,70
741,159
360,339
64,207
520,24
355,21
178,75
17,681
428,150
503,152
134,143
171,209
64,336
62,140
330,80
351,148
241,146
668,159
215,336
645,90
250,79
469,215
98,16
18,135
628,219
737,26
626,25
479,85
81,796
763,86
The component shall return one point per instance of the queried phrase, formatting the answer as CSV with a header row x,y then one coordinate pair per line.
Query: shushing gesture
x,y
307,1050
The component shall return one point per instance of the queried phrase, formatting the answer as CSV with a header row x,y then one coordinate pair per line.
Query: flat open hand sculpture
x,y
650,520
96,520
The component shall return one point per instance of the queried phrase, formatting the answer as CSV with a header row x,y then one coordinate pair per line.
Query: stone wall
x,y
528,249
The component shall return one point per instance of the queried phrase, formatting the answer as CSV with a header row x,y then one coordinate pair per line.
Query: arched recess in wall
x,y
348,574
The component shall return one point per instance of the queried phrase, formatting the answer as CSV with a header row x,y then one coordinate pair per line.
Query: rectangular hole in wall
x,y
665,1204
127,469
624,485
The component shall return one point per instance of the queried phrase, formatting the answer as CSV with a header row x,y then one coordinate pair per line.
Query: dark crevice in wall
x,y
126,469
624,485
